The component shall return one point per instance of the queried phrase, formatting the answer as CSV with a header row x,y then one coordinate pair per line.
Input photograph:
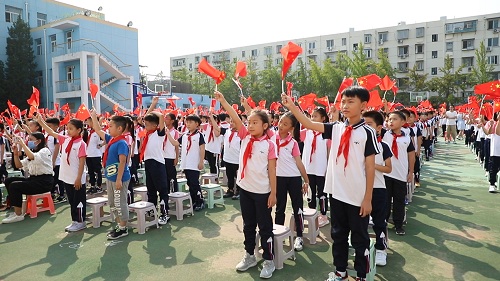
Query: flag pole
x,y
282,85
385,92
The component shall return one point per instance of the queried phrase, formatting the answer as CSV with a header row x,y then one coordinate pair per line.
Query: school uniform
x,y
223,125
379,198
190,158
212,148
232,147
346,184
169,153
288,181
494,157
58,186
315,160
130,142
427,138
253,179
93,160
396,180
480,139
154,166
71,152
486,147
135,159
415,133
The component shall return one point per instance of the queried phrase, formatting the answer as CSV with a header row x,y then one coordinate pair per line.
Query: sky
x,y
169,28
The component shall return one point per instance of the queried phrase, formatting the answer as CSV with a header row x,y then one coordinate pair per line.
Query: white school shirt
x,y
399,165
495,144
380,158
316,163
191,158
41,163
213,143
137,129
286,166
153,149
51,145
168,147
68,171
231,148
479,133
256,173
92,145
348,184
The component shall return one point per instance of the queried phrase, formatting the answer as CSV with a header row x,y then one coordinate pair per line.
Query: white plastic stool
x,y
281,234
311,217
209,178
142,191
140,208
180,208
15,174
213,190
182,183
224,175
141,174
98,214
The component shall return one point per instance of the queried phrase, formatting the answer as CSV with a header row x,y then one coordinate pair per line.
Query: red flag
x,y
115,108
386,83
241,70
369,81
395,90
65,108
250,102
93,89
492,88
306,101
289,53
487,110
213,104
35,98
14,110
211,71
262,104
82,113
137,111
496,106
172,103
374,100
323,101
56,106
346,82
191,101
235,107
139,99
24,112
289,86
32,111
65,120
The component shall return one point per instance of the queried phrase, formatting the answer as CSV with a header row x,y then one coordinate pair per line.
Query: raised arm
x,y
306,122
97,126
161,124
152,107
229,109
45,126
214,124
245,105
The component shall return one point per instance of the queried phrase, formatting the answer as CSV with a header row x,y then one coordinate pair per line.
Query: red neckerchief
x,y
406,125
379,138
344,144
248,152
91,131
395,144
189,141
313,147
231,136
111,142
288,139
144,143
211,135
70,145
166,138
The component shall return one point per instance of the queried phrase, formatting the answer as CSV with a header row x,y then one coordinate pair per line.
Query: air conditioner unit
x,y
381,42
310,51
496,30
330,48
400,41
469,68
488,49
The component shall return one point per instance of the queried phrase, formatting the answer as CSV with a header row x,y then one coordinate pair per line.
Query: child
x,y
416,135
117,173
232,147
257,180
154,162
134,163
54,147
383,165
212,145
171,151
289,169
94,146
427,133
494,158
315,160
72,170
349,179
192,155
403,160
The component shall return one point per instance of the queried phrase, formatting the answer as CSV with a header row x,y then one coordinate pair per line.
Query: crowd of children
x,y
356,162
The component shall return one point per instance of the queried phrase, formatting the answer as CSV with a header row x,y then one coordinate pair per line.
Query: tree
x,y
270,79
326,80
20,64
482,73
3,93
449,83
417,81
383,66
301,79
358,65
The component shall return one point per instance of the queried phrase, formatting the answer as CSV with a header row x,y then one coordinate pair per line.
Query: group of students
x,y
358,162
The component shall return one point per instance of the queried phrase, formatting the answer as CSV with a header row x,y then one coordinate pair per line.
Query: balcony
x,y
72,85
461,27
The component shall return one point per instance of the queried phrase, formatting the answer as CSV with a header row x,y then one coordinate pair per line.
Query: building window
x,y
53,42
449,46
344,41
419,65
242,54
492,24
419,49
69,39
368,53
38,48
279,61
12,13
434,37
420,32
39,79
179,62
403,34
468,61
403,51
368,38
41,19
355,46
69,73
468,44
386,52
434,71
492,59
312,45
329,43
492,42
278,48
403,66
452,60
254,52
267,51
196,59
207,58
434,54
382,36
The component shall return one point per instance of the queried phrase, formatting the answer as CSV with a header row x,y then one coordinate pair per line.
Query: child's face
x,y
54,127
169,121
256,127
114,130
73,131
191,125
370,122
89,122
411,119
150,126
351,107
204,120
395,122
285,125
231,124
33,127
316,117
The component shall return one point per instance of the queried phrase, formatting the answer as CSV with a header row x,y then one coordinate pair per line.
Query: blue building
x,y
73,44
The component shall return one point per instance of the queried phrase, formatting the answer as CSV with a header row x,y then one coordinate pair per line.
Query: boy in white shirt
x,y
93,161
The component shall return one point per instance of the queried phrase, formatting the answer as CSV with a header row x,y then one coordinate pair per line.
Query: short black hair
x,y
53,120
377,117
153,118
194,117
400,114
120,121
405,111
357,91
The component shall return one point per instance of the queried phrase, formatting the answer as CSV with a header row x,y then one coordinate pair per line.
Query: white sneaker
x,y
486,174
267,269
77,226
381,258
247,262
299,244
13,218
323,220
492,189
67,227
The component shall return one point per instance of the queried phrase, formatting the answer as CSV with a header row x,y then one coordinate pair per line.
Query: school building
x,y
424,45
73,44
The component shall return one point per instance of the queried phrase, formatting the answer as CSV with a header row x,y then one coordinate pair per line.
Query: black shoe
x,y
236,197
98,189
229,194
60,199
163,219
91,190
400,231
117,233
199,207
